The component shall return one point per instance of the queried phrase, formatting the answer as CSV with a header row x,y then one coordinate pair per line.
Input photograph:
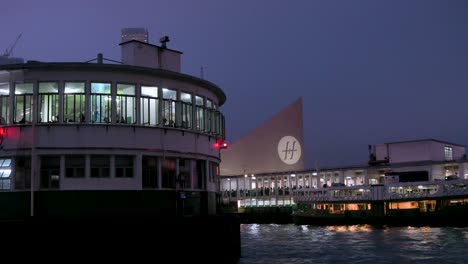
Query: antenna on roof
x,y
9,51
163,41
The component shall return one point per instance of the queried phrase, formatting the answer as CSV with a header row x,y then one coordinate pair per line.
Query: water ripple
x,y
352,244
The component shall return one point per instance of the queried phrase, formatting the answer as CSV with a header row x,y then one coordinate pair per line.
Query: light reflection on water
x,y
271,243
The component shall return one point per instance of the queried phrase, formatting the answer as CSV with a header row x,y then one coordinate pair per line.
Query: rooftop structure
x,y
140,34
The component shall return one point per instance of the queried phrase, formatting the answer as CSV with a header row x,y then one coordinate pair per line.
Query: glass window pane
x,y
149,111
123,161
186,97
74,161
23,111
169,94
74,102
150,91
150,172
74,87
48,87
100,161
100,88
209,104
126,106
199,100
125,89
24,88
4,89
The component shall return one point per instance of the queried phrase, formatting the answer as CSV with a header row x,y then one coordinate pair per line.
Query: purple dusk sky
x,y
369,71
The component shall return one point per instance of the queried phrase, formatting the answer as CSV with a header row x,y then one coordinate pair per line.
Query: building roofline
x,y
427,139
146,43
352,167
57,66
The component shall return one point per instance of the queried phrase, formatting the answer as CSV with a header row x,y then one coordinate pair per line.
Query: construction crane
x,y
9,51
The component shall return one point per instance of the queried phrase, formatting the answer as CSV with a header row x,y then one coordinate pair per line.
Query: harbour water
x,y
272,243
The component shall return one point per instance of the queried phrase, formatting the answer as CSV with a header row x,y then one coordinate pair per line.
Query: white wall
x,y
423,150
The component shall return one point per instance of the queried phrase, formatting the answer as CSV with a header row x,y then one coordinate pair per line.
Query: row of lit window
x,y
173,108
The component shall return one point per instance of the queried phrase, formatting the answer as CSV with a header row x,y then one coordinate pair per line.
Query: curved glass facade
x,y
108,103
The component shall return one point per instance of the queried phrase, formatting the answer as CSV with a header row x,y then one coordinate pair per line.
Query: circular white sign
x,y
289,150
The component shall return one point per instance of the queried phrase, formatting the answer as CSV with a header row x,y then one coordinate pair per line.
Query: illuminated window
x,y
200,113
209,116
74,102
168,107
23,103
5,172
126,108
101,104
448,153
4,103
48,102
185,111
149,105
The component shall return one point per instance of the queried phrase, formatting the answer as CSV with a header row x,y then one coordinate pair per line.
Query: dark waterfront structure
x,y
127,147
97,139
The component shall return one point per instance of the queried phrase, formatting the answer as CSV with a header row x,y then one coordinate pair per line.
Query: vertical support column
x,y
34,169
112,166
341,175
192,174
113,102
431,177
61,88
137,168
87,166
11,108
177,174
61,169
159,168
160,105
256,191
88,111
206,176
461,170
237,188
366,177
229,189
137,106
276,190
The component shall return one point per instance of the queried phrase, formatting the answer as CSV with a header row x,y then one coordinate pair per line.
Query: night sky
x,y
369,72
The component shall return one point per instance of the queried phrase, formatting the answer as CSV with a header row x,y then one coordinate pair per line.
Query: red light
x,y
220,144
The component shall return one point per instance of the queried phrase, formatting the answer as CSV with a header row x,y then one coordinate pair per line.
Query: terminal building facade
x,y
265,168
98,139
